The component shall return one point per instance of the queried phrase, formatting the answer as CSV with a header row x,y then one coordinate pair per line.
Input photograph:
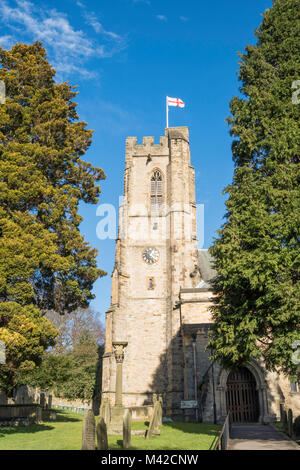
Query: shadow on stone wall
x,y
96,400
208,379
172,360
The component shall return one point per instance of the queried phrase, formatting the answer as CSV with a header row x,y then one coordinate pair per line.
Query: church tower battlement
x,y
156,253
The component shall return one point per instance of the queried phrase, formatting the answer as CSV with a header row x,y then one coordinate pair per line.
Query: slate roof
x,y
207,272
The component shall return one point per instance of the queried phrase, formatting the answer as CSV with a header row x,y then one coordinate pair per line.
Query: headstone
x,y
105,410
284,420
127,429
88,431
3,398
50,402
115,425
290,423
160,399
155,423
101,431
281,407
42,400
39,414
24,395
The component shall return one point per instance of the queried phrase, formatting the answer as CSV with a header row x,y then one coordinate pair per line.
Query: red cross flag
x,y
173,102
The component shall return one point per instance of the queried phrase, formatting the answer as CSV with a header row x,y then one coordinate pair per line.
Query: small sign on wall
x,y
188,404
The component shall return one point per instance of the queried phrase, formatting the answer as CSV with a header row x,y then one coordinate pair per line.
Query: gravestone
x,y
127,429
3,398
105,410
42,400
160,399
39,414
281,407
101,431
115,425
24,395
290,423
284,420
88,431
154,427
50,401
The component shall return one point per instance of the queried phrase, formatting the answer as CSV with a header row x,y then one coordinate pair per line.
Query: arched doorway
x,y
242,397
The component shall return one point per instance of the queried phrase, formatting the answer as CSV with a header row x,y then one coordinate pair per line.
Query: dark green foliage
x,y
257,256
75,374
52,374
85,360
45,263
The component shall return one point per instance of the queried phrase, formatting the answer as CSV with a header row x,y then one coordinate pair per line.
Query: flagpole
x,y
167,112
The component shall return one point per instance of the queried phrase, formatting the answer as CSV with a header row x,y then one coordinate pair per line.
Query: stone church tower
x,y
156,252
158,323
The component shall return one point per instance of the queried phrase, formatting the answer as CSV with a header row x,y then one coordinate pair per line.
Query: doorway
x,y
242,397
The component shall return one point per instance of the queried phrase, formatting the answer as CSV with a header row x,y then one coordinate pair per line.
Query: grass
x,y
62,434
174,436
279,426
65,434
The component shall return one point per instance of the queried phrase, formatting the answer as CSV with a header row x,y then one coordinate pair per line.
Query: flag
x,y
175,102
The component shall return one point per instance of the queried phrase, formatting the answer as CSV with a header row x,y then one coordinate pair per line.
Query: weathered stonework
x,y
166,323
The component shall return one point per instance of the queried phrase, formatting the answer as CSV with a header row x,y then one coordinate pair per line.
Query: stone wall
x,y
56,401
20,415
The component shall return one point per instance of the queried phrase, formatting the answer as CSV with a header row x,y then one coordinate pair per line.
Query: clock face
x,y
151,255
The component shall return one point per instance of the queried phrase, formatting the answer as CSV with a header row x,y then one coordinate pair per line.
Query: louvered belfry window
x,y
156,191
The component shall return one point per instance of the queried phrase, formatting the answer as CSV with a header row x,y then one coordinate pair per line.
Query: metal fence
x,y
222,441
75,409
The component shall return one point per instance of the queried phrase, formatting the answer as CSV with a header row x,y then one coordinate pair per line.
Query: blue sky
x,y
126,56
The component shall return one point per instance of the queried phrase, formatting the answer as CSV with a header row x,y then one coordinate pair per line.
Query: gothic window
x,y
156,191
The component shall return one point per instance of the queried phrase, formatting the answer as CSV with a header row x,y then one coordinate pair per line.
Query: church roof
x,y
205,265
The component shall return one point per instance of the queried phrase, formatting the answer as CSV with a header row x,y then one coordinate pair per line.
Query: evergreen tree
x,y
45,263
75,374
85,369
257,255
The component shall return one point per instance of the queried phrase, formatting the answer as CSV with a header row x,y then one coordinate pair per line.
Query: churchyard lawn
x,y
65,434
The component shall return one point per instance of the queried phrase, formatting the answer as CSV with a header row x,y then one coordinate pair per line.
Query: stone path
x,y
259,437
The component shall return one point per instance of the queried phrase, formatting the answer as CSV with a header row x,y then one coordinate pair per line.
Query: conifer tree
x,y
257,256
45,263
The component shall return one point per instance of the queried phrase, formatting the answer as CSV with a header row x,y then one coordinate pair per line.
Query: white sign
x,y
188,404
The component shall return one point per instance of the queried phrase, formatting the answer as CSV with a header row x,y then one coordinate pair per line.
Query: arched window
x,y
156,191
